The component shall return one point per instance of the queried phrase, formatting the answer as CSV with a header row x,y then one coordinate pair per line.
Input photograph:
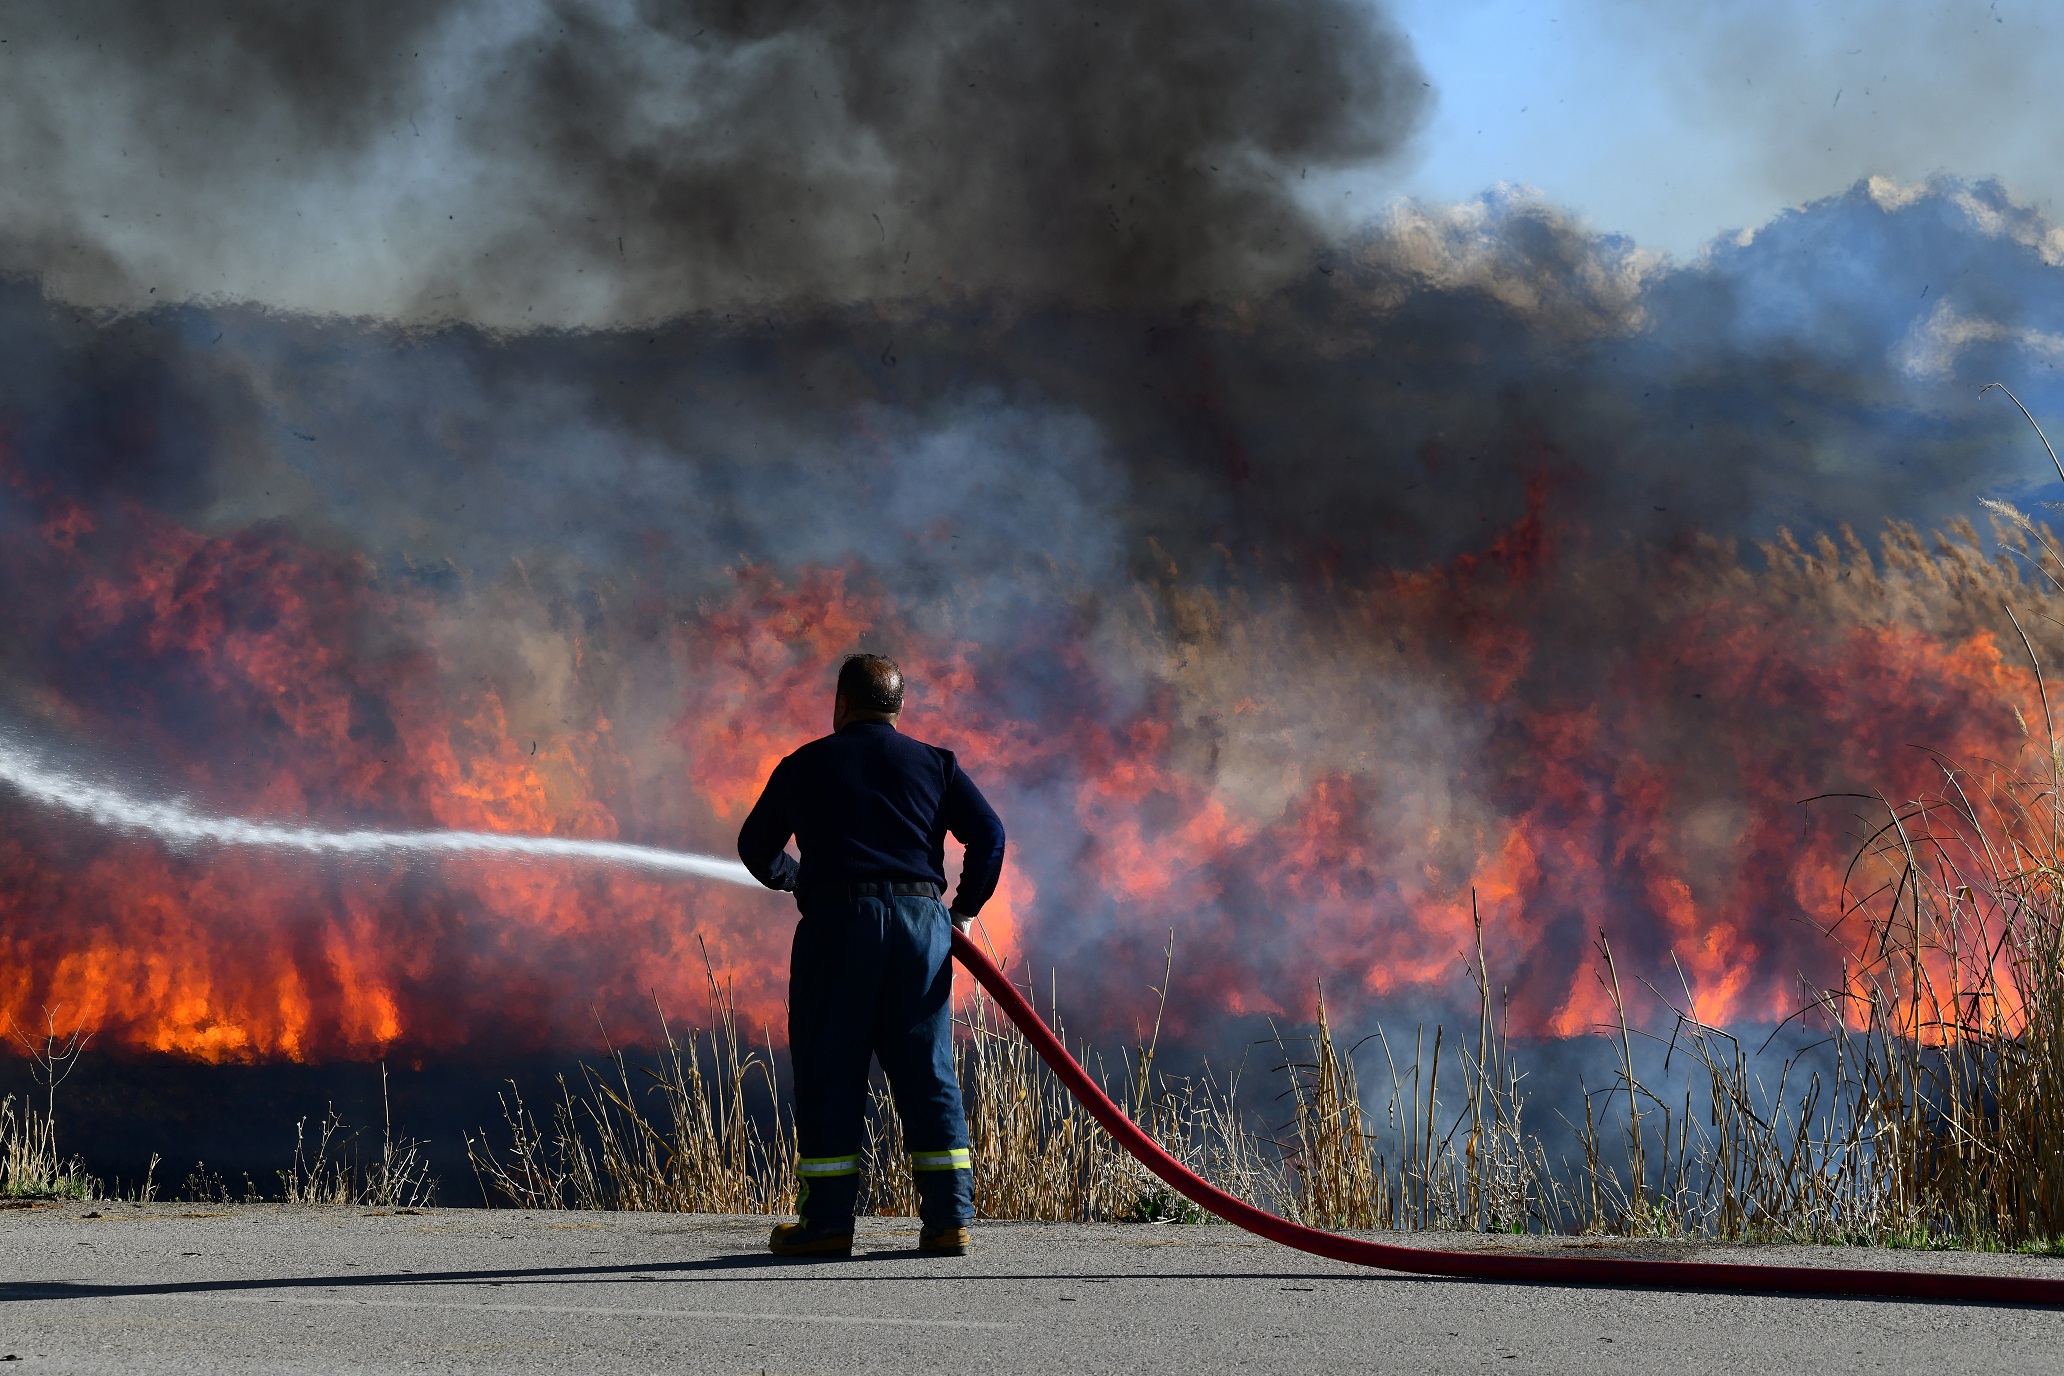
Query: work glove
x,y
960,920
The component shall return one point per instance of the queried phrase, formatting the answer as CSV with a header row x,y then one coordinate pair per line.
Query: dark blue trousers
x,y
872,977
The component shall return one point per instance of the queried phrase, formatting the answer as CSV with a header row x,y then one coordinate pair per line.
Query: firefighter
x,y
871,970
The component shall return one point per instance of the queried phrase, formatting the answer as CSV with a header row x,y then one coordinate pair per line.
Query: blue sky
x,y
1673,122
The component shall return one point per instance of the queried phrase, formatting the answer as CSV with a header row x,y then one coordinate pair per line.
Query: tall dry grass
x,y
31,1166
703,1150
1465,1162
1038,1153
720,1139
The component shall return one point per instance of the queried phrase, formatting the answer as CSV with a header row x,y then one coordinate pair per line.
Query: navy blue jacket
x,y
870,803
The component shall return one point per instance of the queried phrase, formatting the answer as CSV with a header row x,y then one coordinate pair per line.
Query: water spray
x,y
178,824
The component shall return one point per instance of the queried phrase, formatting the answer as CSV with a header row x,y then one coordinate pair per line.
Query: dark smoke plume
x,y
1290,587
595,162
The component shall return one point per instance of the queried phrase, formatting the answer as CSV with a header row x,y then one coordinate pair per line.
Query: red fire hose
x,y
1661,1275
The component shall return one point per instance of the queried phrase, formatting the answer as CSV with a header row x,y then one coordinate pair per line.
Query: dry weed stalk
x,y
1338,1180
30,1164
331,1171
53,1055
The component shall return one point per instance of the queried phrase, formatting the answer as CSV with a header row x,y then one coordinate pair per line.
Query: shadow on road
x,y
823,1269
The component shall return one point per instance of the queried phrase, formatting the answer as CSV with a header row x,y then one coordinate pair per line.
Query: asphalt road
x,y
117,1288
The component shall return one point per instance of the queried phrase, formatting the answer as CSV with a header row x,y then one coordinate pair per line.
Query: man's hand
x,y
960,919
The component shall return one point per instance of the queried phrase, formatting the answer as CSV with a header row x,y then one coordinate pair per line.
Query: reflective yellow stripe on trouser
x,y
811,1168
958,1159
828,1165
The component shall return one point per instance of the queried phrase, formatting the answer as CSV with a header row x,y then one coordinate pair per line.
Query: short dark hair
x,y
871,683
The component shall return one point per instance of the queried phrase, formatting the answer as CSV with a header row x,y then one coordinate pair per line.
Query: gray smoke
x,y
1814,96
591,162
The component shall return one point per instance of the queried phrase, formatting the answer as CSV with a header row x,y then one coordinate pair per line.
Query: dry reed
x,y
707,1152
1038,1153
1473,1167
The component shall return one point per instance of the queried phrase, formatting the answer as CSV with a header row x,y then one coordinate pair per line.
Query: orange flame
x,y
1301,784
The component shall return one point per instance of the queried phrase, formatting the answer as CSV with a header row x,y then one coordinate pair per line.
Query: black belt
x,y
880,888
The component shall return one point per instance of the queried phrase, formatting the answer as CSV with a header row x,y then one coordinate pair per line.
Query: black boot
x,y
806,1239
824,1219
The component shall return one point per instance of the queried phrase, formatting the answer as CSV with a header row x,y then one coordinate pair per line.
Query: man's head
x,y
870,688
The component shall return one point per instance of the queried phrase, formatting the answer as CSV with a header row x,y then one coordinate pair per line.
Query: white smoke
x,y
179,825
